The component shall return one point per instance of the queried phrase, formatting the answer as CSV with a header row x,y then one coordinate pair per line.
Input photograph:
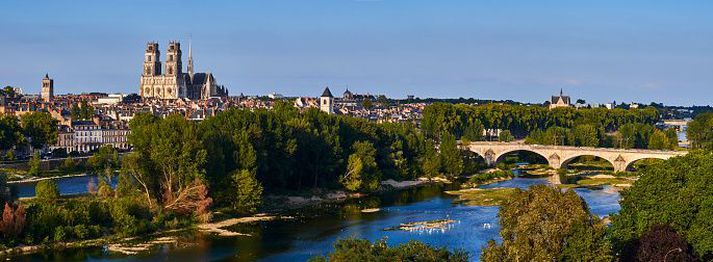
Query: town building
x,y
326,101
560,101
47,92
172,82
87,136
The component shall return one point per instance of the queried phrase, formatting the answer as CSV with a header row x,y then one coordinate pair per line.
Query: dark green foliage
x,y
362,172
47,190
248,190
104,161
68,166
288,150
40,128
660,243
545,224
485,177
10,132
505,136
451,159
168,163
82,111
677,192
34,165
522,119
86,218
700,131
633,135
363,250
585,135
552,136
659,140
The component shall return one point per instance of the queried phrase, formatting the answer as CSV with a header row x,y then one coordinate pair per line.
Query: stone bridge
x,y
560,156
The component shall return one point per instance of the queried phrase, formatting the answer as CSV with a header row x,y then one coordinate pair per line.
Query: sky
x,y
634,50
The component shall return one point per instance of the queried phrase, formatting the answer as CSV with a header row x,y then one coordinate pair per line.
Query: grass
x,y
483,197
604,181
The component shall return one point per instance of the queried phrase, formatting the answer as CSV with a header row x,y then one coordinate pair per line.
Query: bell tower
x,y
173,59
47,92
152,64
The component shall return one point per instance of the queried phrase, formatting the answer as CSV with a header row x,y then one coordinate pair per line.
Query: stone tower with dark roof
x,y
326,101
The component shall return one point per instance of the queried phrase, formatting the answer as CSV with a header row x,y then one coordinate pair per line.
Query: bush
x,y
130,217
487,177
47,190
353,249
546,224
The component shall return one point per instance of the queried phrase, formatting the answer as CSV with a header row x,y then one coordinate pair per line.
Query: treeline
x,y
630,135
559,126
287,150
35,129
238,154
700,131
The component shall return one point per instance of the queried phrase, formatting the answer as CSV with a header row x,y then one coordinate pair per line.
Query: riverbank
x,y
38,179
280,203
481,196
221,227
599,180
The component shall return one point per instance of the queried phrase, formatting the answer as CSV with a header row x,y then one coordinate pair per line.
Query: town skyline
x,y
598,52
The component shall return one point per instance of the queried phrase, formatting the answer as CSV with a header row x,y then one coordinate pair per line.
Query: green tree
x,y
10,132
672,138
35,168
362,173
473,132
47,190
546,224
430,161
700,131
677,192
248,192
170,159
451,159
505,136
585,135
40,128
68,166
82,111
659,141
104,161
363,250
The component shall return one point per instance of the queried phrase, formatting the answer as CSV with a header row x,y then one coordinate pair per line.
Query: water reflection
x,y
76,185
314,230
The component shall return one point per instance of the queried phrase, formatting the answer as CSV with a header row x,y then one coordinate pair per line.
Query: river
x,y
313,232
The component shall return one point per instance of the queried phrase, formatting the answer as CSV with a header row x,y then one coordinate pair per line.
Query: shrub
x,y
47,190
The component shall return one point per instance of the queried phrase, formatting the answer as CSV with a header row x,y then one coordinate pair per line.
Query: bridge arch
x,y
630,163
570,159
499,157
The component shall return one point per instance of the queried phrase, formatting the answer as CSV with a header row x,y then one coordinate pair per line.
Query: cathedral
x,y
172,83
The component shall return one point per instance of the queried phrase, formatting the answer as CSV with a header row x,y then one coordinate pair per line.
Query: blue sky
x,y
605,50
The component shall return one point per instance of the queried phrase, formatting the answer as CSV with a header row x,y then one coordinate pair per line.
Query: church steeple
x,y
190,59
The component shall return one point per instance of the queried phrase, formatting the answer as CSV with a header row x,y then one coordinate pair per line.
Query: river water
x,y
313,232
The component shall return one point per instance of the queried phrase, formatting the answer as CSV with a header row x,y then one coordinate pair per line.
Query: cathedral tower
x,y
152,64
190,60
47,92
173,59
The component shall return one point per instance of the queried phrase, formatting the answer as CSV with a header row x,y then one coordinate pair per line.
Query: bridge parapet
x,y
559,156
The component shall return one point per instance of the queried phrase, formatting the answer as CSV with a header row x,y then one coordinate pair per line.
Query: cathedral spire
x,y
190,59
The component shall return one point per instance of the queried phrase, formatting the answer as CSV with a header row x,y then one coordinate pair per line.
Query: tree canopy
x,y
677,192
546,224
